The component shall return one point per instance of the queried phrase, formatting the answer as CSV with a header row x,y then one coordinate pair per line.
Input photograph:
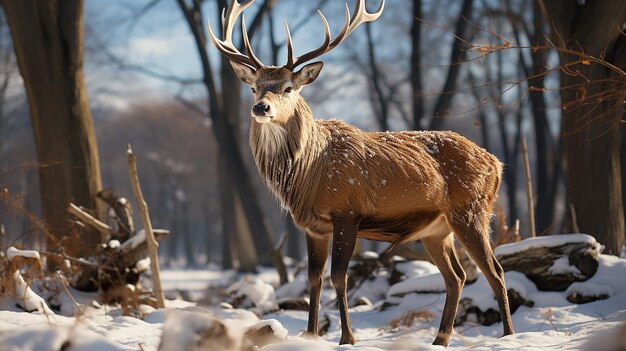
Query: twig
x,y
572,212
68,293
91,220
529,190
72,259
153,245
277,255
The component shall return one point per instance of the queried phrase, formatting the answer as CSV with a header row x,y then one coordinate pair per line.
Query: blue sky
x,y
160,40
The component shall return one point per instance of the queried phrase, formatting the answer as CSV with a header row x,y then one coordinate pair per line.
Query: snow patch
x,y
369,255
12,252
185,330
432,283
277,328
26,298
48,337
143,265
562,266
589,289
544,241
413,268
254,292
135,240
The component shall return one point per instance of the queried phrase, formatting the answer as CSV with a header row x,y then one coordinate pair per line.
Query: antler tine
x,y
290,58
350,24
228,21
313,53
361,15
246,43
226,46
344,30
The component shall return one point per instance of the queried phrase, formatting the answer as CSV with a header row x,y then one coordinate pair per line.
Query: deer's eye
x,y
253,90
288,89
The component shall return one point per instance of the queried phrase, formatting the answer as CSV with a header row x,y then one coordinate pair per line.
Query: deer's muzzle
x,y
261,112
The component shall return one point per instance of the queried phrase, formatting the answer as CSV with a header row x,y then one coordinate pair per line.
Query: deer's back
x,y
400,180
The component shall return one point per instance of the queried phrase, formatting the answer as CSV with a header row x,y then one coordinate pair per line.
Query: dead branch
x,y
123,213
572,212
91,221
529,190
153,245
279,262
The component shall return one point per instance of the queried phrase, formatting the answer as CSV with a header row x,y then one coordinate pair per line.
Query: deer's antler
x,y
360,16
226,46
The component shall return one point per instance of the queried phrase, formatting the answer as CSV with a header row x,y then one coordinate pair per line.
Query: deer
x,y
340,183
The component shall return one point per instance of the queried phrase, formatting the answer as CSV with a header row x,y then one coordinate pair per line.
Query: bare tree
x,y
416,70
8,73
590,120
457,56
48,41
221,108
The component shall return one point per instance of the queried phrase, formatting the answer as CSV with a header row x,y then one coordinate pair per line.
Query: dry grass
x,y
410,318
29,268
503,234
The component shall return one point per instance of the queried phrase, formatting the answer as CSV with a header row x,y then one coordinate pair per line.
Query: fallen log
x,y
553,263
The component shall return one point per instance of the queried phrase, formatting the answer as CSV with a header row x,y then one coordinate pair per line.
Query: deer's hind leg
x,y
441,250
344,240
471,228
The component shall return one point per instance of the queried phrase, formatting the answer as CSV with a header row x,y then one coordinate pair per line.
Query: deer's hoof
x,y
347,339
442,339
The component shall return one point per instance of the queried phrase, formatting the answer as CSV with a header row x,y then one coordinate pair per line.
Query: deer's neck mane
x,y
284,155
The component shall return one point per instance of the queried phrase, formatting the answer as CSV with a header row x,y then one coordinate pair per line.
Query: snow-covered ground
x,y
552,323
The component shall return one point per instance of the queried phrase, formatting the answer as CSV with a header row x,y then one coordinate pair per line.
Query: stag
x,y
340,183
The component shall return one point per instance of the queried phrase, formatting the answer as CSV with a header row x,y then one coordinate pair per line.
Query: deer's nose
x,y
260,109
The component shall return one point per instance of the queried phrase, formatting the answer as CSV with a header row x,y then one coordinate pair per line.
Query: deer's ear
x,y
244,72
308,73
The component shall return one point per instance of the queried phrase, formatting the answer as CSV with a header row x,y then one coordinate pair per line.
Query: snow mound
x,y
589,291
26,298
482,296
544,241
252,292
296,288
47,337
413,268
198,331
273,324
432,283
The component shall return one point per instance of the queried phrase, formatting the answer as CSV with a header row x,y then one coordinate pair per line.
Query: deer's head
x,y
277,89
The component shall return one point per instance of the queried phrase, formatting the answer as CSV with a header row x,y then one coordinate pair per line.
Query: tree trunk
x,y
225,136
545,153
248,249
416,69
380,103
459,52
591,133
229,256
48,41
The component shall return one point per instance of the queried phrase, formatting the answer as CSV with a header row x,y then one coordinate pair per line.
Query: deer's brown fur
x,y
396,183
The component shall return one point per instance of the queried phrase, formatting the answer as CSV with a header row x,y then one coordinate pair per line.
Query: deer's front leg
x,y
317,250
344,239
